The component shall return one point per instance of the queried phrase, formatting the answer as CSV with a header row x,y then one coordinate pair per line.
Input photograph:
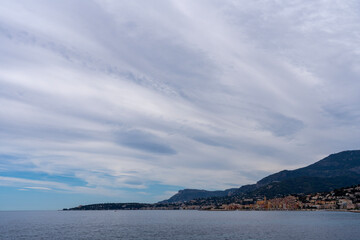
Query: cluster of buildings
x,y
286,203
345,198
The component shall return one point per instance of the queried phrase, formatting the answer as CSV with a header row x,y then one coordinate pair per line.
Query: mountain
x,y
190,194
345,163
335,171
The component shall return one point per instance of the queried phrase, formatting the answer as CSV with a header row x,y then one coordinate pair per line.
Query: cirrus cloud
x,y
205,94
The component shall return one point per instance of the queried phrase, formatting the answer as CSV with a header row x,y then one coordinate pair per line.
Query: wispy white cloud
x,y
38,188
202,94
24,183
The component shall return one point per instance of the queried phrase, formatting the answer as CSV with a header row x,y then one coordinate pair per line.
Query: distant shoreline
x,y
220,210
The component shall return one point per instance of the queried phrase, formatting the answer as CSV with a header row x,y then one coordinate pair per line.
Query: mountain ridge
x,y
334,171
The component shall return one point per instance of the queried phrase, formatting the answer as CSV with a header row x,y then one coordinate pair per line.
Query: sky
x,y
131,101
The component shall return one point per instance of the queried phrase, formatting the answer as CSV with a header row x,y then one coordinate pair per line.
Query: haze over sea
x,y
320,225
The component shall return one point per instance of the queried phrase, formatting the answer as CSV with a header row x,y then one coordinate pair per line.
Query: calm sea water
x,y
179,225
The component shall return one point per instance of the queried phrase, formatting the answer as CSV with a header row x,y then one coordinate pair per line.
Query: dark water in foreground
x,y
179,225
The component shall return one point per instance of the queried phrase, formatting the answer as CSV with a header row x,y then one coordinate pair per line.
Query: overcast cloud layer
x,y
117,98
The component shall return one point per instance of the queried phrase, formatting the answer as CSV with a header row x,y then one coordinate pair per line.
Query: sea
x,y
180,224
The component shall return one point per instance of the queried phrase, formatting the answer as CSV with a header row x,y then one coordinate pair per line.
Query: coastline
x,y
221,210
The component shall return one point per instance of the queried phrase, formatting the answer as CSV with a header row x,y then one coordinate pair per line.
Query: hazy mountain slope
x,y
303,185
346,164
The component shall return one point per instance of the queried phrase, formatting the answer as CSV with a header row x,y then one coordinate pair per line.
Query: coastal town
x,y
340,199
345,199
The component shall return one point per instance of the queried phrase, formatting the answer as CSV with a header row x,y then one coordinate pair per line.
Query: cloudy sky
x,y
115,101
